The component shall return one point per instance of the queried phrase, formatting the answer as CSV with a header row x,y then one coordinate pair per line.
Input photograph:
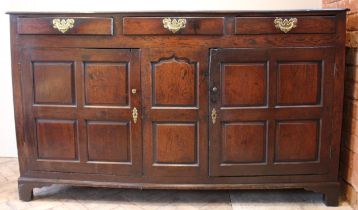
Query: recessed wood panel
x,y
56,139
53,83
297,141
106,84
243,142
174,83
108,141
243,84
299,83
175,143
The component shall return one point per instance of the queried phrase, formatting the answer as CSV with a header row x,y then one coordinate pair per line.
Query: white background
x,y
7,125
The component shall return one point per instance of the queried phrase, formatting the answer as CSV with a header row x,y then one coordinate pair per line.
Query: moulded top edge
x,y
181,11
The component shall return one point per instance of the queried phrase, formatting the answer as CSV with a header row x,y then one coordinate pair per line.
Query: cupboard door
x,y
270,111
175,110
79,105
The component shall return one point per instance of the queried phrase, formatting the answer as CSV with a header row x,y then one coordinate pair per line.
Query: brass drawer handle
x,y
63,24
285,25
213,115
174,25
135,115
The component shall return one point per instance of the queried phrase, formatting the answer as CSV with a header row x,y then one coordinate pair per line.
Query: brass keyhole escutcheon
x,y
213,115
135,115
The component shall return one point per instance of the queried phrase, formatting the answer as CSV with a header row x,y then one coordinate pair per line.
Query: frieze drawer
x,y
173,25
66,25
287,24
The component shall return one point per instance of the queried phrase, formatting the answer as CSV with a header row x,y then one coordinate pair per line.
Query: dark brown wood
x,y
56,139
106,84
175,143
57,78
25,192
62,137
238,78
179,88
244,142
154,26
82,25
109,141
305,24
173,99
290,140
297,141
331,192
302,78
277,96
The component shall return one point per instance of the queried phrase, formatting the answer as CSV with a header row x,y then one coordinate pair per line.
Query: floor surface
x,y
58,197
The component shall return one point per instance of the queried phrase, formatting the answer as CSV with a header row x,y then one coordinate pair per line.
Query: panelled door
x,y
82,108
175,112
269,114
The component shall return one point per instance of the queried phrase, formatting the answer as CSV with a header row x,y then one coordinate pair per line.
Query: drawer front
x,y
277,25
169,25
66,25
